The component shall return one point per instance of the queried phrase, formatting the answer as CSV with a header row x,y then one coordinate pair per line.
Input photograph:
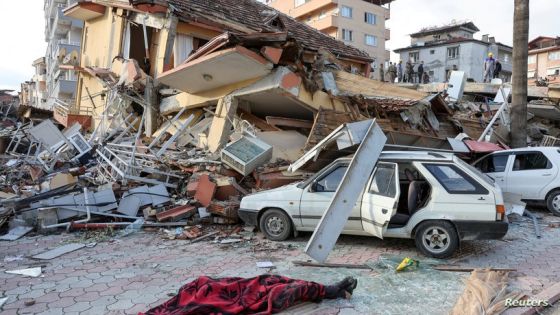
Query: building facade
x,y
544,60
443,49
360,23
63,35
34,92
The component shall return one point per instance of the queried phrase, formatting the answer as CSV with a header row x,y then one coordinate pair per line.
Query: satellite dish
x,y
61,54
71,58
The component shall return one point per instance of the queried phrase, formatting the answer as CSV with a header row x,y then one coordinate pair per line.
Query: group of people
x,y
396,71
492,69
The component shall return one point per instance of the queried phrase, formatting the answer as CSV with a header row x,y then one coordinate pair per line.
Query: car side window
x,y
330,182
531,161
493,163
454,180
383,182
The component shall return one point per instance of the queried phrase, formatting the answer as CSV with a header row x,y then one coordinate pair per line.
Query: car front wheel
x,y
553,202
437,239
276,225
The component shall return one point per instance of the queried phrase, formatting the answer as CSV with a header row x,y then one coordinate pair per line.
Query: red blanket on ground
x,y
265,294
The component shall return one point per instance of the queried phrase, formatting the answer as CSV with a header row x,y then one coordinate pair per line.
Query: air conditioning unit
x,y
246,154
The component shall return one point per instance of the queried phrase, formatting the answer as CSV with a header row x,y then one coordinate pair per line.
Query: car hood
x,y
288,192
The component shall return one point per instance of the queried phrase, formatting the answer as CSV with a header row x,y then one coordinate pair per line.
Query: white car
x,y
435,198
529,172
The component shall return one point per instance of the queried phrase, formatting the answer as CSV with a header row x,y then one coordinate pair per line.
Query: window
x,y
414,56
531,74
453,52
432,51
300,2
454,180
346,11
384,181
347,35
330,182
369,18
371,40
553,71
322,15
531,161
555,55
532,59
493,163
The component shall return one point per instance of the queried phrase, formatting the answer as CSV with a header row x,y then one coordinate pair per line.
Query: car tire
x,y
553,202
437,239
276,225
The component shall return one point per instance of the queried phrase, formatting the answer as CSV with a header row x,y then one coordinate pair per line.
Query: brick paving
x,y
133,273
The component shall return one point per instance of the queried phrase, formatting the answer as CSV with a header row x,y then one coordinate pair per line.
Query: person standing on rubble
x,y
498,69
489,67
420,71
409,72
399,72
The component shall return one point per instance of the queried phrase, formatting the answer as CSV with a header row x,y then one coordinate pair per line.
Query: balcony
x,y
67,50
67,113
387,34
387,14
324,23
62,23
310,6
63,86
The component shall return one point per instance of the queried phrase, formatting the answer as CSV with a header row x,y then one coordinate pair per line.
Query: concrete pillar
x,y
220,129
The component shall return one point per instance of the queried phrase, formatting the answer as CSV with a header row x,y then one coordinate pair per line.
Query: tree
x,y
519,79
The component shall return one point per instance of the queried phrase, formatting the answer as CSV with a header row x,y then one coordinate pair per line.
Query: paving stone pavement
x,y
131,274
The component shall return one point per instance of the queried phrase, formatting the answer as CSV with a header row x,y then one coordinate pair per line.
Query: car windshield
x,y
473,169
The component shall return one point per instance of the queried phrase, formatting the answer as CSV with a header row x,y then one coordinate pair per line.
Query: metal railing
x,y
65,107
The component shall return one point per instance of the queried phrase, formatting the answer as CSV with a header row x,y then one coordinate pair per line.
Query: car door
x,y
530,173
496,166
316,198
380,200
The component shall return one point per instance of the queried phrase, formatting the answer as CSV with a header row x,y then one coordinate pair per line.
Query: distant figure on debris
x,y
392,72
399,72
425,78
498,69
489,67
409,72
381,72
421,72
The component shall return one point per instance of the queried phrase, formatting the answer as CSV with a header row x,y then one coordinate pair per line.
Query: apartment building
x,y
360,23
453,46
63,35
34,92
544,60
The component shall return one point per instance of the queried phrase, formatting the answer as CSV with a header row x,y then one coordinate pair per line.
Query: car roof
x,y
412,155
530,149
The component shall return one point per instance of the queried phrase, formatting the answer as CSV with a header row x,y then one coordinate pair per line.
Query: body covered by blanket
x,y
265,294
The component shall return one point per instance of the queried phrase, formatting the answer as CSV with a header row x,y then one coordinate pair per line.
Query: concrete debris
x,y
29,272
53,253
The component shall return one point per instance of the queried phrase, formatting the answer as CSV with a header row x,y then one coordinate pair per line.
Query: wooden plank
x,y
289,122
328,265
358,85
469,269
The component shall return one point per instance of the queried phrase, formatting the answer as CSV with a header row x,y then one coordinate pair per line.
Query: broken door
x,y
380,200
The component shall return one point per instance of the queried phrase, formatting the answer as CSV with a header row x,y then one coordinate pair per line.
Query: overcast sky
x,y
22,27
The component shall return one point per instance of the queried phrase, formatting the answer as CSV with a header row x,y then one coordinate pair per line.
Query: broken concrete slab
x,y
177,213
205,190
28,272
350,188
62,179
16,233
286,145
59,251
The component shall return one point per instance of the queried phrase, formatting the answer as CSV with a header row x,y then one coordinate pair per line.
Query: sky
x,y
24,42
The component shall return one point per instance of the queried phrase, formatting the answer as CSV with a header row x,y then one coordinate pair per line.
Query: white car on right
x,y
531,172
